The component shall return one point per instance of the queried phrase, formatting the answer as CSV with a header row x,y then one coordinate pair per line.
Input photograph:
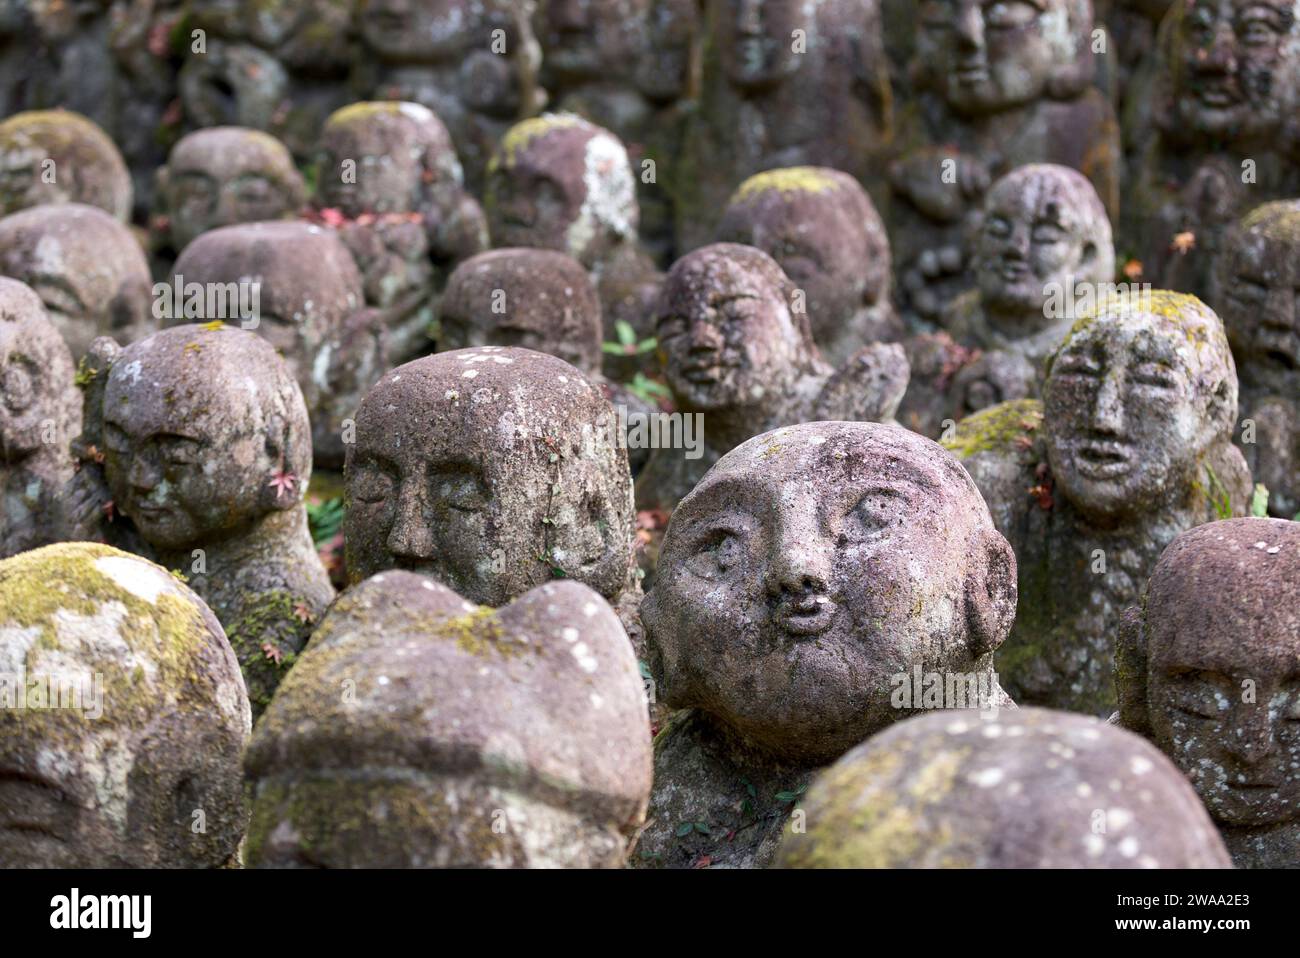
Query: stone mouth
x,y
1103,460
805,616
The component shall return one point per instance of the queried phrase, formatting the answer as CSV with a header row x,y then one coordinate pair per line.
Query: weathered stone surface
x,y
421,730
143,730
1207,669
1025,789
56,156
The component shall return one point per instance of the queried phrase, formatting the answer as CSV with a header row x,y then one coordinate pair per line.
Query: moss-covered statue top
x,y
1028,789
421,730
55,156
132,718
40,415
1131,446
810,568
1209,670
87,268
823,230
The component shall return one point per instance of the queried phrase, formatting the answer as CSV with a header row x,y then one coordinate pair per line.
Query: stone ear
x,y
991,591
1131,671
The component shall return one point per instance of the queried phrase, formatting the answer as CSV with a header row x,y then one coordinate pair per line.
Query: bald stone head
x,y
55,156
809,566
489,470
475,738
87,268
1029,788
134,718
198,423
36,372
558,182
534,298
227,175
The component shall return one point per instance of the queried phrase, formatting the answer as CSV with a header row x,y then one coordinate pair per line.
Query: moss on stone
x,y
790,179
522,134
995,428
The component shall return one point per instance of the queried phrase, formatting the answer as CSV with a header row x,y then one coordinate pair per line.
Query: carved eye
x,y
1257,28
180,452
1197,694
1076,365
461,491
1248,290
875,514
18,387
1154,374
115,438
371,484
671,328
717,554
997,227
1006,14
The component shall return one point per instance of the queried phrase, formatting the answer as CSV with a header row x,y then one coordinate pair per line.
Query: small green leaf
x,y
702,828
626,334
684,829
1259,501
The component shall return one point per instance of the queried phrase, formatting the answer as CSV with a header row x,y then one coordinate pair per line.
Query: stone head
x,y
1141,390
483,468
55,156
558,182
422,31
823,231
809,566
227,175
536,299
1030,788
664,61
141,724
36,370
87,268
205,432
586,40
1209,667
755,39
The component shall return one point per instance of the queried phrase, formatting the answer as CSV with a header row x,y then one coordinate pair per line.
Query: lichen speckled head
x,y
823,230
533,298
485,469
989,57
227,175
728,328
1256,278
36,370
1030,788
125,716
198,423
1043,226
472,737
400,154
558,182
55,156
1141,390
809,566
1209,667
87,268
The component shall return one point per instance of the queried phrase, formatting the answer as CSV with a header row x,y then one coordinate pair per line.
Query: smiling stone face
x,y
754,40
783,604
35,377
59,157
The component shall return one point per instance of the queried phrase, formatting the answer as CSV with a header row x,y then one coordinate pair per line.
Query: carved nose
x,y
970,27
1108,410
143,474
410,536
1250,739
705,337
799,567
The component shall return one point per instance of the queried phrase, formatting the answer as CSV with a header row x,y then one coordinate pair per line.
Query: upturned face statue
x,y
842,264
728,335
55,156
161,727
87,268
783,605
482,468
1135,397
1044,228
532,298
198,424
754,39
36,372
1209,668
1256,282
228,175
558,182
987,56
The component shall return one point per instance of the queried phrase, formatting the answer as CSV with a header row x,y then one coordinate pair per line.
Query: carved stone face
x,y
35,377
385,157
1257,279
162,722
725,327
86,267
1030,788
784,604
558,182
480,468
228,175
992,56
663,62
418,31
532,298
555,773
755,40
1133,399
1223,677
583,38
823,231
53,156
1044,226
197,423
1232,66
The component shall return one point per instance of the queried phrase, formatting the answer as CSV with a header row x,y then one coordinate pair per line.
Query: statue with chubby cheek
x,y
1208,668
811,575
1130,446
56,156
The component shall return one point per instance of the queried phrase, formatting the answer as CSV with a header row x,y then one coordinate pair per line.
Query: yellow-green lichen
x,y
522,134
790,179
996,428
1278,222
